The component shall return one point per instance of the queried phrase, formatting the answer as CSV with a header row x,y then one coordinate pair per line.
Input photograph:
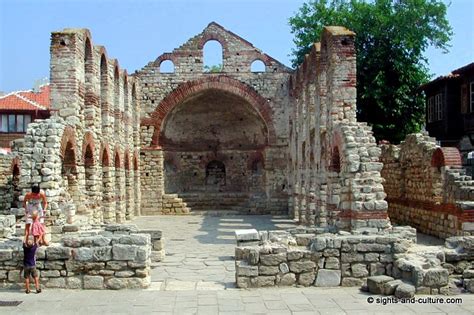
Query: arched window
x,y
103,83
257,66
257,167
335,160
215,173
167,66
212,54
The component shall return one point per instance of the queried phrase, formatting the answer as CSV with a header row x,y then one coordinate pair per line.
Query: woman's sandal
x,y
38,290
27,291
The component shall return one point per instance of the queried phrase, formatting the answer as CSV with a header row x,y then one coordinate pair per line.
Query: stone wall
x,y
427,187
235,117
333,168
372,262
115,258
282,258
85,157
8,182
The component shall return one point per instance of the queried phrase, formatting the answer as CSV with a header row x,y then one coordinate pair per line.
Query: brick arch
x,y
213,36
135,161
69,136
222,83
126,160
164,57
88,142
446,156
117,160
105,155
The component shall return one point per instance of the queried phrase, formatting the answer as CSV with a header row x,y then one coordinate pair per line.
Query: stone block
x,y
93,282
243,269
405,290
436,278
306,278
468,274
50,273
124,252
71,241
102,253
328,278
469,285
135,239
359,270
302,266
294,255
272,259
352,282
101,241
376,283
57,283
263,281
6,254
124,274
82,254
332,263
268,270
53,253
74,283
287,279
247,235
389,287
243,282
284,268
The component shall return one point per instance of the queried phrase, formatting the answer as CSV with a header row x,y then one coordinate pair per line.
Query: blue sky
x,y
137,31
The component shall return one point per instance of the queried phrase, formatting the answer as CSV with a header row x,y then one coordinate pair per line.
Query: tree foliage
x,y
213,68
391,38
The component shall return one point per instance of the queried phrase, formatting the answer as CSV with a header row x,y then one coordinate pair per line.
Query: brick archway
x,y
223,83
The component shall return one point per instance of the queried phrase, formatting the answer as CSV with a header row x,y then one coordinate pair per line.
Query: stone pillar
x,y
151,177
108,194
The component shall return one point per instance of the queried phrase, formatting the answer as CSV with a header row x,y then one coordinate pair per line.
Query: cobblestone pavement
x,y
333,301
200,248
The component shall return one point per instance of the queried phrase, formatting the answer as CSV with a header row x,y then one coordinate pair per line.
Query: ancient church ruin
x,y
274,141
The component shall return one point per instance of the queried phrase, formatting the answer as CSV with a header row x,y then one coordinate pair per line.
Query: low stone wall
x,y
288,258
115,258
427,188
6,187
7,226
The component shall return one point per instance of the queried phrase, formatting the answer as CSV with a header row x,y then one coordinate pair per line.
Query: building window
x,y
430,107
14,123
471,103
438,107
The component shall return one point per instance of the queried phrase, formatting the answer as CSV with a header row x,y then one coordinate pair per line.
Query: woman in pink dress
x,y
37,229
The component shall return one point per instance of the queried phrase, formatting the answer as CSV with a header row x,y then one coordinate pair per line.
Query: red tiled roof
x,y
26,100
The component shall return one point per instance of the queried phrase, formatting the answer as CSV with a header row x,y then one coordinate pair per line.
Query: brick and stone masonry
x,y
427,188
333,167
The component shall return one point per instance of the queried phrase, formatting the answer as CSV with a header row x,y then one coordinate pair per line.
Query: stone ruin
x,y
277,141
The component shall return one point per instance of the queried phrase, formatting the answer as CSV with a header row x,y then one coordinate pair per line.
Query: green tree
x,y
213,68
391,38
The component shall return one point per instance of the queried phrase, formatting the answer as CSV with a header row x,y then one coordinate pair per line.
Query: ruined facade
x,y
272,141
334,168
217,140
427,187
86,157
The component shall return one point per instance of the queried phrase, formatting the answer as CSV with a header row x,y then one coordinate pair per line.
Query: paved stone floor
x,y
200,249
197,277
333,301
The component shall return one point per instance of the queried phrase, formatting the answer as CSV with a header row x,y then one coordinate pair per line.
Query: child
x,y
29,265
37,229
